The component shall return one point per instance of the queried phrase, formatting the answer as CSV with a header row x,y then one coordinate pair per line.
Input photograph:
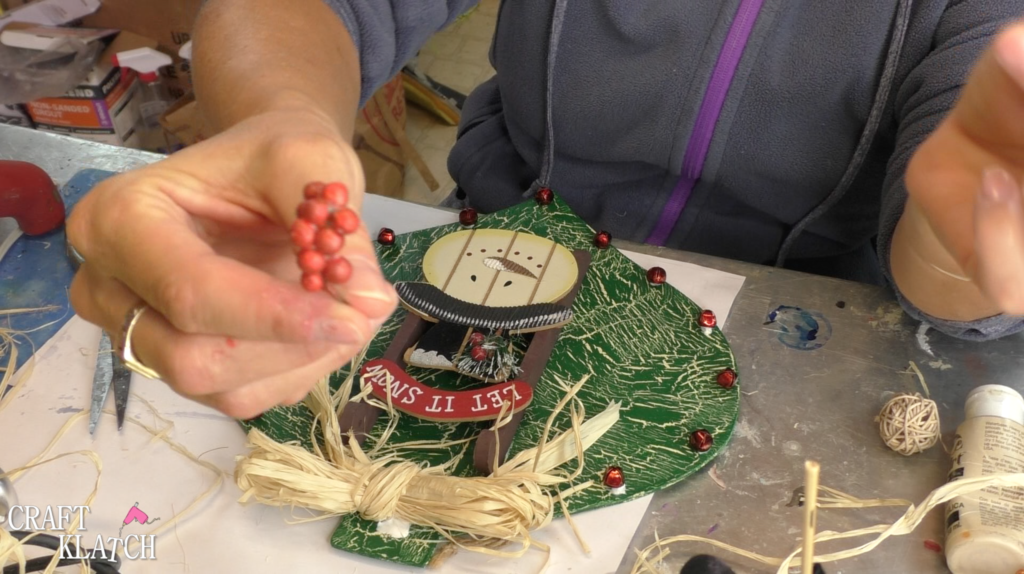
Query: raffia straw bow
x,y
341,479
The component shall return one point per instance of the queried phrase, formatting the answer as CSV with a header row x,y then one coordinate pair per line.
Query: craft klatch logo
x,y
75,546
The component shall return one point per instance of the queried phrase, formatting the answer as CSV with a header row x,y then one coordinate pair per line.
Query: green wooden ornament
x,y
640,343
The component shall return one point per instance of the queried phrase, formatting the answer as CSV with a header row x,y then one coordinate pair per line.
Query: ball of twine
x,y
909,424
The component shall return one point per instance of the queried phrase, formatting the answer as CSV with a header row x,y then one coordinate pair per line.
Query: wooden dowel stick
x,y
811,471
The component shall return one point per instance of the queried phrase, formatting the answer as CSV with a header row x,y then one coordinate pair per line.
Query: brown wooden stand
x,y
360,417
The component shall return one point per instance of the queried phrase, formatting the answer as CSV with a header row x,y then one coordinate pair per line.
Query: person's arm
x,y
329,56
928,239
254,56
202,237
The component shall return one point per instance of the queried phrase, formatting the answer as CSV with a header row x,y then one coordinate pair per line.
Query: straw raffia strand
x,y
647,559
12,550
472,512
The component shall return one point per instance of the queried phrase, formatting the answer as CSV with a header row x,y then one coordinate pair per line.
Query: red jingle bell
x,y
726,379
707,319
477,338
478,353
656,276
544,196
613,477
386,236
603,239
467,217
701,440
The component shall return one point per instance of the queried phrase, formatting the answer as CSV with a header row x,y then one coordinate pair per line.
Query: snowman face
x,y
500,268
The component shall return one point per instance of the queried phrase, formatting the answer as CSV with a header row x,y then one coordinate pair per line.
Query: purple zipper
x,y
707,117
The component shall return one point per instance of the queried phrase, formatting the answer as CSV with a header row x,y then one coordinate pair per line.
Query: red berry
x,y
313,190
336,194
338,270
478,353
701,440
603,239
303,233
656,275
613,477
311,261
345,220
312,281
328,241
477,338
707,318
386,236
467,217
726,379
544,196
314,211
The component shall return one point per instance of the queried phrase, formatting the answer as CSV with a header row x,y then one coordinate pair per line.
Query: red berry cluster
x,y
319,234
476,349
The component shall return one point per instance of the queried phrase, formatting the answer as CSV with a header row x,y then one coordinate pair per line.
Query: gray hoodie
x,y
770,131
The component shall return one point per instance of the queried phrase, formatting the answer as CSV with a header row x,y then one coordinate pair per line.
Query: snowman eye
x,y
472,278
507,283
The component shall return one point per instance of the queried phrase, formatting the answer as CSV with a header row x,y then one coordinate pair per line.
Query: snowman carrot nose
x,y
504,264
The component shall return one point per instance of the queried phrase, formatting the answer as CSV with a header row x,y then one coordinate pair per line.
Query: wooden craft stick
x,y
489,443
360,417
403,142
811,471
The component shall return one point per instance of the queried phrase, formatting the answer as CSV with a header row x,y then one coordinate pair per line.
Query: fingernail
x,y
337,331
997,186
368,283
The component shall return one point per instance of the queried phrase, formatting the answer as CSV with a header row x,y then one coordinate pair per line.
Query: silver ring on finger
x,y
128,355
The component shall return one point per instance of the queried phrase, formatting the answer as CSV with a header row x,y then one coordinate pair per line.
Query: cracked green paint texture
x,y
641,344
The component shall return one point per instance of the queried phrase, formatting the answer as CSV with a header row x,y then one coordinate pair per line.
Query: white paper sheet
x,y
224,536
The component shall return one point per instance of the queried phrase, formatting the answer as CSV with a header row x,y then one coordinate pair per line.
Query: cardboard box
x,y
184,121
14,116
106,112
104,107
169,22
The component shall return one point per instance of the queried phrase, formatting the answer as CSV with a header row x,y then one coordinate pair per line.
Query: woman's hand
x,y
958,252
203,238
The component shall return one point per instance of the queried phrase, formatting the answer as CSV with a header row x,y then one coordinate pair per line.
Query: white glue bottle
x,y
985,529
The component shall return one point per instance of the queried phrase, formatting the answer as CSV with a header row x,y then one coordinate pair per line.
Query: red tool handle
x,y
29,196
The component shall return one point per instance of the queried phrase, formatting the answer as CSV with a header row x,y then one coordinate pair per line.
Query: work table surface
x,y
795,405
